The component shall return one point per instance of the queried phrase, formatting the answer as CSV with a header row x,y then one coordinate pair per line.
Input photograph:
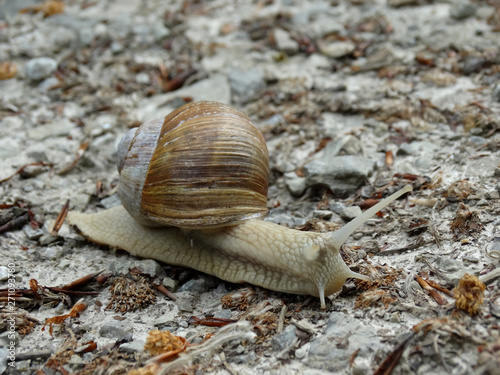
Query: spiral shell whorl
x,y
203,165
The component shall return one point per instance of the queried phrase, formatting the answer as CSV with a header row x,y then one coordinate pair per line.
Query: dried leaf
x,y
469,294
7,70
73,313
466,221
240,299
48,8
165,344
372,298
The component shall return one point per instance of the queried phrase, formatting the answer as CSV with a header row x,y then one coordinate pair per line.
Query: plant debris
x,y
466,222
131,292
73,313
469,294
164,343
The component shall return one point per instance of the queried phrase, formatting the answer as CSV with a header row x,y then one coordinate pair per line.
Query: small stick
x,y
434,294
403,249
392,359
60,219
81,280
440,288
15,223
42,163
281,321
81,150
165,291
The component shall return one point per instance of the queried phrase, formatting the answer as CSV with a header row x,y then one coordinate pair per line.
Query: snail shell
x,y
203,165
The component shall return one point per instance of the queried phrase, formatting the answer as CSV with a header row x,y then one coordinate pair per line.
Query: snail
x,y
193,187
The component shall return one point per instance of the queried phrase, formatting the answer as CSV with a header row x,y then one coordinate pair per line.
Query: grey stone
x,y
9,147
196,286
33,234
337,207
47,239
342,174
246,85
4,273
40,68
48,83
135,346
351,212
117,47
9,9
344,335
6,339
184,303
322,214
482,167
485,12
285,339
416,148
381,57
473,64
147,266
111,201
496,93
223,314
277,216
447,264
143,78
295,184
167,318
337,49
58,128
115,329
348,145
284,42
215,88
462,9
160,31
170,284
4,358
52,252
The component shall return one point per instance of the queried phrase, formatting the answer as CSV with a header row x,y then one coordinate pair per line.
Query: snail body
x,y
227,237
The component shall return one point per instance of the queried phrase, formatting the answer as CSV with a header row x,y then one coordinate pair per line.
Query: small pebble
x,y
115,329
285,43
322,214
296,185
131,347
170,284
496,93
337,49
351,212
33,234
285,339
246,85
462,9
40,68
197,286
4,273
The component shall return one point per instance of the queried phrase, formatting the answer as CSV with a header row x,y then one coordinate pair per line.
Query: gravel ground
x,y
355,100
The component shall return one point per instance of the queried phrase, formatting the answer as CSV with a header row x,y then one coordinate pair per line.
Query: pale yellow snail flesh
x,y
253,250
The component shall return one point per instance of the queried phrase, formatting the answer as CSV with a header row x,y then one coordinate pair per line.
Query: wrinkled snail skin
x,y
194,191
255,251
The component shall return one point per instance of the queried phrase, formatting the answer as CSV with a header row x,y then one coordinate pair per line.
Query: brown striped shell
x,y
203,165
